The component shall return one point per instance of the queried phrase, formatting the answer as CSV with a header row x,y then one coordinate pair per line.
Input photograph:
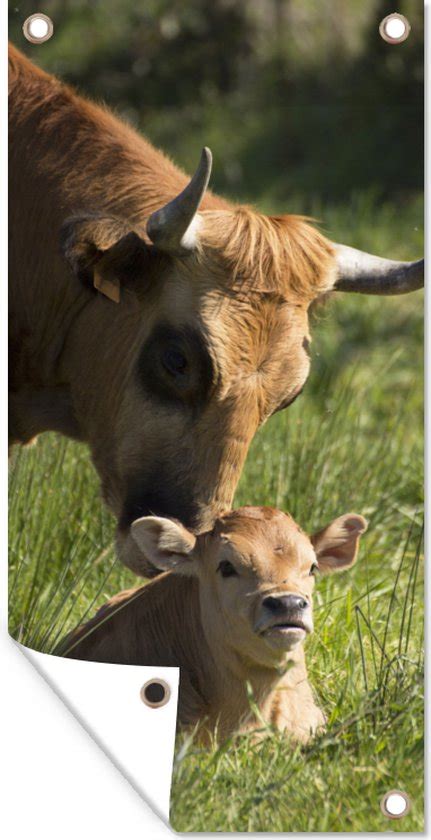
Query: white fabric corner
x,y
106,700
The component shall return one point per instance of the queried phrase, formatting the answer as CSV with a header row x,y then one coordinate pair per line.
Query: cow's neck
x,y
242,687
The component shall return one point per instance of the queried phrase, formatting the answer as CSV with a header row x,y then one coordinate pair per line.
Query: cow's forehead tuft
x,y
278,253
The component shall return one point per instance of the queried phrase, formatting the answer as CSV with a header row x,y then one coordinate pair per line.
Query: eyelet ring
x,y
155,693
394,28
395,804
38,28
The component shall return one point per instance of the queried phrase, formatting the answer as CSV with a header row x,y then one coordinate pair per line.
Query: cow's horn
x,y
169,227
369,275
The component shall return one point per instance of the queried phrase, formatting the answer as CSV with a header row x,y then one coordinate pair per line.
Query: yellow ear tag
x,y
108,286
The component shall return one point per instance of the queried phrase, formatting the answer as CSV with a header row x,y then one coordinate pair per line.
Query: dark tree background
x,y
296,97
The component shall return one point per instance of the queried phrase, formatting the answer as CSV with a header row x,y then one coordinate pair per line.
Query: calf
x,y
232,611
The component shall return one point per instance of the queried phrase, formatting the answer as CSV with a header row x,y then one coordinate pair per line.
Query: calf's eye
x,y
226,569
314,569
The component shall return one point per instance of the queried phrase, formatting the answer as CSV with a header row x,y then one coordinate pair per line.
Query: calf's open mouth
x,y
294,624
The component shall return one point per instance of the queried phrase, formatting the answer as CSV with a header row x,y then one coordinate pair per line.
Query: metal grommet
x,y
395,804
155,693
38,28
394,28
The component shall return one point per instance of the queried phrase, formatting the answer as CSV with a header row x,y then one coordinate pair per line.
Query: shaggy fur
x,y
283,254
83,184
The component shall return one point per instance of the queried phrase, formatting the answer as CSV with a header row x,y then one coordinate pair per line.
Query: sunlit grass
x,y
352,442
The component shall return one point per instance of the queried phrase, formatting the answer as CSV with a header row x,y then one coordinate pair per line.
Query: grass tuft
x,y
352,442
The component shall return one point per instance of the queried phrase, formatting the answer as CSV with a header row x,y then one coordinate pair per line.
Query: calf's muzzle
x,y
284,603
284,618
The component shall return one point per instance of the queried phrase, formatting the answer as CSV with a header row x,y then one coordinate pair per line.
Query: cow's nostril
x,y
302,604
273,604
295,602
284,602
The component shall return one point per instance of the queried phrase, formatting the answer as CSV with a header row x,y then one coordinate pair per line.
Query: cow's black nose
x,y
283,603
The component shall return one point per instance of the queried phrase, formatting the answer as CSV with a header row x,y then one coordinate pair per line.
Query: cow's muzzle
x,y
284,619
165,500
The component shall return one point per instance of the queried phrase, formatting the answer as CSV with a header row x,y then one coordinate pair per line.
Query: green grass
x,y
352,442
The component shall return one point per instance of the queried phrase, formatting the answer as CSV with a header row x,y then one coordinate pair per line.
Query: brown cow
x,y
162,336
234,610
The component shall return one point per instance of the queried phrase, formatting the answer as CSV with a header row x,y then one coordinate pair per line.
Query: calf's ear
x,y
336,546
166,544
103,252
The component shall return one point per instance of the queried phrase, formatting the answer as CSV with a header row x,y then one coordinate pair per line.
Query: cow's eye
x,y
314,569
226,569
175,366
174,361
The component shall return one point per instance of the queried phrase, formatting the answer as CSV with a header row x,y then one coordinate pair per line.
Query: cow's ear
x,y
166,544
336,546
103,252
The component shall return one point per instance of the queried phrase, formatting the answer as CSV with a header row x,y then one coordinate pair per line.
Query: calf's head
x,y
197,335
256,572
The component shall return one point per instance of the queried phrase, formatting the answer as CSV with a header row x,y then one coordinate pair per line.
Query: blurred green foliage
x,y
294,97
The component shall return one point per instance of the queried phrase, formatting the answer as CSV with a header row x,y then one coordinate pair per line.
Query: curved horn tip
x,y
207,153
168,226
365,273
205,164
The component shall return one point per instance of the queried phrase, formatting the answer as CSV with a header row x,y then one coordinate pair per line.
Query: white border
x,y
55,780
